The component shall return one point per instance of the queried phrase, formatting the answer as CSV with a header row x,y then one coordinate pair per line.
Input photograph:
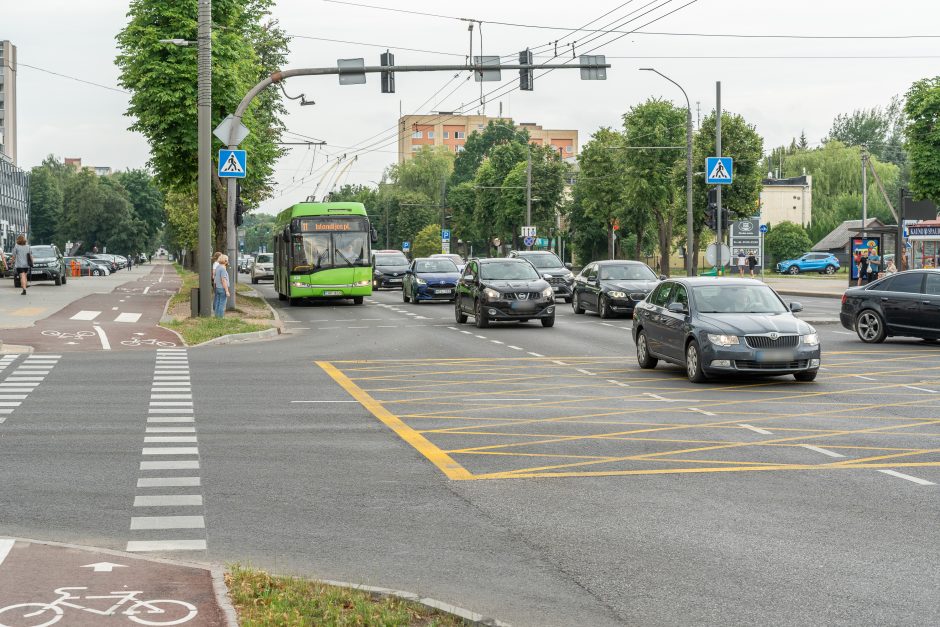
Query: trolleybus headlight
x,y
362,283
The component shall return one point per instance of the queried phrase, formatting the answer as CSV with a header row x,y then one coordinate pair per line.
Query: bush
x,y
427,241
786,241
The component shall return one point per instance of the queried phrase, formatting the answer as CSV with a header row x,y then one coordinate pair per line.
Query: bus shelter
x,y
923,243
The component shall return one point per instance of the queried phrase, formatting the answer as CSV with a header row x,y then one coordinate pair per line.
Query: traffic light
x,y
526,77
711,213
239,205
725,218
388,78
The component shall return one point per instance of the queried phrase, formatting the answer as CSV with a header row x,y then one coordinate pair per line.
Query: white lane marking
x,y
170,439
105,344
466,332
10,403
701,411
167,522
914,387
168,500
170,450
176,465
386,326
497,342
169,482
453,328
44,357
824,451
864,377
536,355
142,546
755,429
170,430
170,419
167,397
901,475
607,324
482,337
5,545
86,315
171,404
662,398
470,400
324,401
357,327
515,348
12,397
147,289
587,372
560,363
843,333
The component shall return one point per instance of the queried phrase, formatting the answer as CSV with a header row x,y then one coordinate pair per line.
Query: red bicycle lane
x,y
127,318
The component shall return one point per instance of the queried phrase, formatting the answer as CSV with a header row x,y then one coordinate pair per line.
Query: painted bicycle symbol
x,y
149,342
143,612
77,335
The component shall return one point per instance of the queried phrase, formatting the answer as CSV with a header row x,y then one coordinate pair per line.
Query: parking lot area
x,y
872,409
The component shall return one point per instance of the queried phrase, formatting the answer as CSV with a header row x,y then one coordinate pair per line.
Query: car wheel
x,y
693,363
643,357
65,279
96,272
870,327
57,280
603,308
576,304
830,269
793,270
807,375
357,300
459,315
293,301
548,322
481,320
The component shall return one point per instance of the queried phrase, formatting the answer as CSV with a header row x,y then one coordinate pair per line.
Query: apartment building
x,y
450,130
76,163
787,200
8,101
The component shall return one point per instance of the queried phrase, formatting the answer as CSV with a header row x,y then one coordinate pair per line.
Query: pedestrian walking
x,y
742,259
130,262
220,279
752,261
22,261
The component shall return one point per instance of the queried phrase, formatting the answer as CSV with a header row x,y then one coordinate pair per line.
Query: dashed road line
x,y
756,429
864,377
536,355
901,475
914,387
515,348
701,411
587,372
824,451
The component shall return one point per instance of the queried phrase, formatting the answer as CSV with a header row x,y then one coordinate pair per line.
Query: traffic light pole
x,y
720,266
231,242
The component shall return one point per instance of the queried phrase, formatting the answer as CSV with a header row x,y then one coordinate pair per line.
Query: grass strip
x,y
199,330
268,600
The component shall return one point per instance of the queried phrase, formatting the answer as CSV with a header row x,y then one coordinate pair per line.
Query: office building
x,y
14,203
450,130
8,101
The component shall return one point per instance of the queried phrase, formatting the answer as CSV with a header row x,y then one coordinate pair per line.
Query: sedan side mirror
x,y
678,308
796,307
568,265
663,277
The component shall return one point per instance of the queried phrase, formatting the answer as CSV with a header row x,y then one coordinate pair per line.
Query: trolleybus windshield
x,y
325,242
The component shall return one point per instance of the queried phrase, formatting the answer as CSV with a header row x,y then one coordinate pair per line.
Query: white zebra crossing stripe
x,y
86,315
128,317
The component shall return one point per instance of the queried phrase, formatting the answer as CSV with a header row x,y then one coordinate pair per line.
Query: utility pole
x,y
204,128
864,192
718,154
528,188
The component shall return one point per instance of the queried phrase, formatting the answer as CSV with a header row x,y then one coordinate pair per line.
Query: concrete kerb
x,y
217,572
15,349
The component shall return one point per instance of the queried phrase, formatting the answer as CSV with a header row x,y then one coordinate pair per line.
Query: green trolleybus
x,y
321,250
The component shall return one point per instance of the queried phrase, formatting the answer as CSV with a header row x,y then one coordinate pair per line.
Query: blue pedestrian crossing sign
x,y
232,163
718,170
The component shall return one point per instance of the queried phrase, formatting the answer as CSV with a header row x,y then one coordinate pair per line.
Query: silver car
x,y
263,267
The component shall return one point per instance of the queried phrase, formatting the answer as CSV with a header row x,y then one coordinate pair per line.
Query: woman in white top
x,y
21,255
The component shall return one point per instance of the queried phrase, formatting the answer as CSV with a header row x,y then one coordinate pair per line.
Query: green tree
x,y
98,212
246,46
651,173
45,205
786,241
427,242
147,201
426,173
600,188
259,230
548,185
879,129
923,138
182,224
479,144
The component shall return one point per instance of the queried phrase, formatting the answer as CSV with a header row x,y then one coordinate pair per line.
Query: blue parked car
x,y
430,278
823,263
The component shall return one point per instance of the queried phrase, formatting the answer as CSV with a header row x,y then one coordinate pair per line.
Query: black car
x,y
497,290
558,274
388,268
906,304
48,265
721,326
612,287
107,260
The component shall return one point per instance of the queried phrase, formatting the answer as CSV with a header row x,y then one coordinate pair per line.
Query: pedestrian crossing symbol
x,y
718,170
232,163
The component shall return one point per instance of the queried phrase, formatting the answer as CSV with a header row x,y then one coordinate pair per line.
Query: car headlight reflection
x,y
615,294
548,291
811,339
723,340
420,281
491,294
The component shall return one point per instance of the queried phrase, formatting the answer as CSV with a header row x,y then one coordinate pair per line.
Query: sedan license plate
x,y
523,305
775,356
394,280
556,288
35,271
442,291
332,293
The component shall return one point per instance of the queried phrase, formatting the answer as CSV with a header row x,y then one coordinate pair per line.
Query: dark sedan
x,y
495,290
722,326
612,288
904,304
83,266
388,269
430,279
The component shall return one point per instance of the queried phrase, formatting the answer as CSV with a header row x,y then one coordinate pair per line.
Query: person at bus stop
x,y
220,279
862,265
890,268
752,261
742,259
22,261
874,264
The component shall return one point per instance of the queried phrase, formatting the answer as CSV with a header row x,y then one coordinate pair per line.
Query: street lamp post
x,y
690,226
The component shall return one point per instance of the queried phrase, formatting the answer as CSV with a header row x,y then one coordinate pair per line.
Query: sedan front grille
x,y
765,341
798,364
637,296
557,280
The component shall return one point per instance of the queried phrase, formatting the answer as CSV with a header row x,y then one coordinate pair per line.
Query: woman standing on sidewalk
x,y
220,279
21,261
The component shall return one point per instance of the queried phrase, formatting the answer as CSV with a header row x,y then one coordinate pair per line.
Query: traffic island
x,y
252,316
264,599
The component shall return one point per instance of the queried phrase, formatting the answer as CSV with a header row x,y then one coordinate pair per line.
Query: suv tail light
x,y
844,298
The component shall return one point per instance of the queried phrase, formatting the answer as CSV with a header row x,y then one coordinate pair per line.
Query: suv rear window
x,y
543,261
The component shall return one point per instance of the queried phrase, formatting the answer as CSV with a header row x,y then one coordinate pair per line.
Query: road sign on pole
x,y
528,231
763,228
718,170
232,163
224,129
445,236
406,246
529,241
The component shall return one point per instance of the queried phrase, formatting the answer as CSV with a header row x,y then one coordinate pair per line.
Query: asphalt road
x,y
535,475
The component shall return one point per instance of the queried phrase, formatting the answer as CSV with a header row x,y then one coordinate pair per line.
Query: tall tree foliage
x,y
45,205
479,144
600,189
880,129
923,138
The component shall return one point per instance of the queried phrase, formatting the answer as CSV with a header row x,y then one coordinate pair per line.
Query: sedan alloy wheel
x,y
870,327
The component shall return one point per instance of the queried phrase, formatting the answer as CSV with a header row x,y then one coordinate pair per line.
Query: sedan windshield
x,y
543,260
735,299
264,259
435,265
627,272
391,260
507,271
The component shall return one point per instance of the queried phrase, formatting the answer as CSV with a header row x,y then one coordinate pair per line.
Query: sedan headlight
x,y
548,291
491,294
723,340
420,281
615,294
569,276
811,339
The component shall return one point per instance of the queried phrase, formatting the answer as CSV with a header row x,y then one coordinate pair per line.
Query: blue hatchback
x,y
823,263
430,278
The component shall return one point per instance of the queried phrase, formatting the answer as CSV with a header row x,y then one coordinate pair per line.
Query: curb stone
x,y
469,616
241,337
15,349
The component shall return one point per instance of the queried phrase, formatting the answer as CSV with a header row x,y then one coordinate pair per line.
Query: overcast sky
x,y
771,86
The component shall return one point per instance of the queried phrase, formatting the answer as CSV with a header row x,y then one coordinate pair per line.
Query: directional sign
x,y
406,246
763,228
445,235
718,170
528,241
528,231
232,163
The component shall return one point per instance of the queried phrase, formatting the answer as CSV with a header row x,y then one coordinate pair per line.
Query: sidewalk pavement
x,y
831,287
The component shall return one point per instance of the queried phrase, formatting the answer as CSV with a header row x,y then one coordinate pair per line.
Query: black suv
x,y
48,265
558,274
497,290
